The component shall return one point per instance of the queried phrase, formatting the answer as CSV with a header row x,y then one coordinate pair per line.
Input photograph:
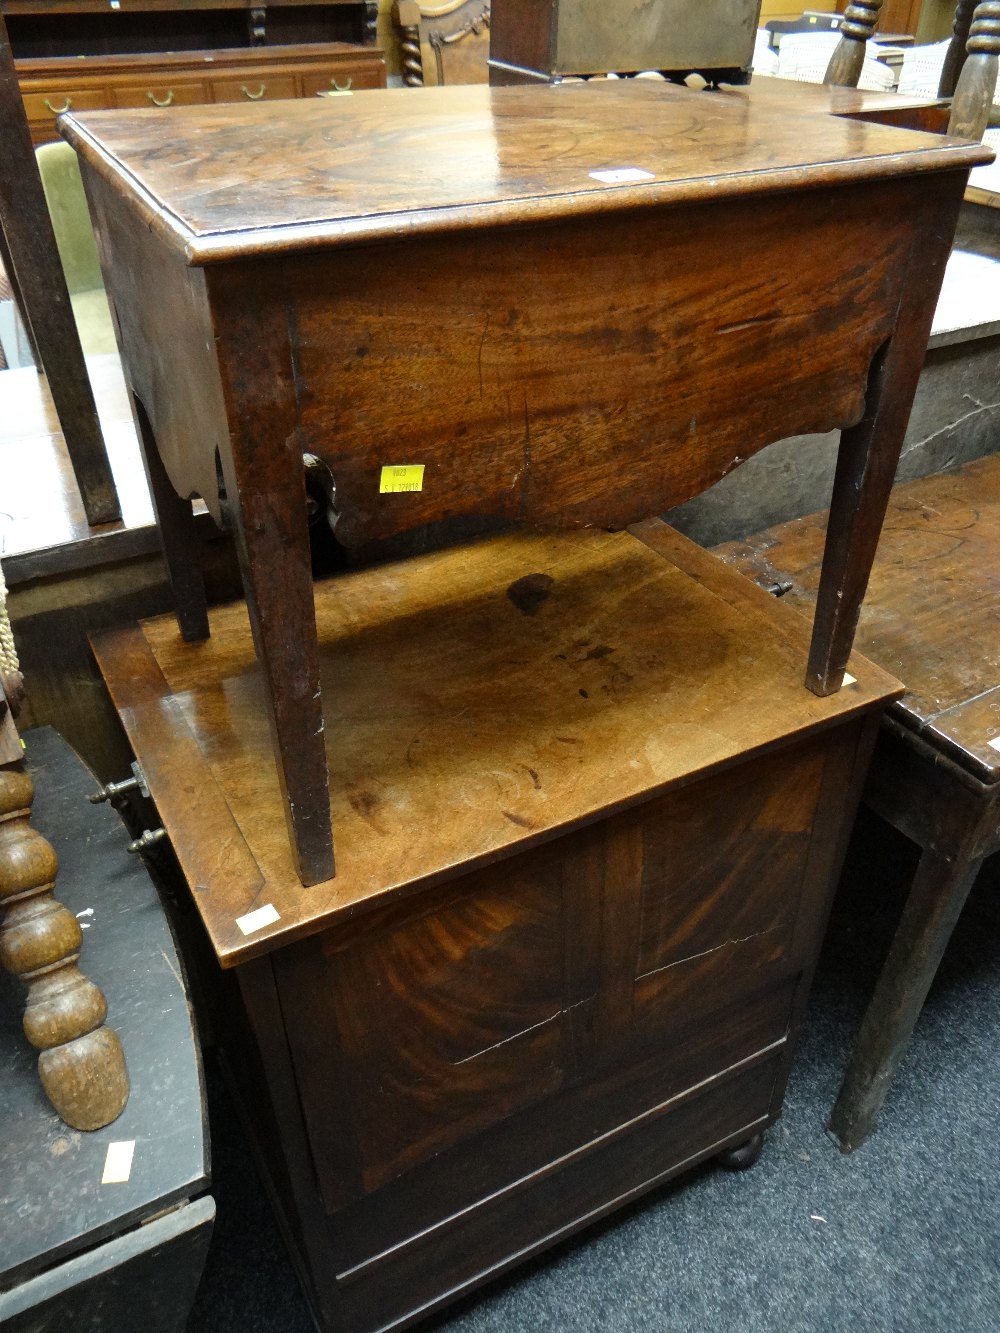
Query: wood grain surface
x,y
477,701
932,612
222,181
530,391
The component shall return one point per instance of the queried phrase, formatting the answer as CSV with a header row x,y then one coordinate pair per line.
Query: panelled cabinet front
x,y
485,1061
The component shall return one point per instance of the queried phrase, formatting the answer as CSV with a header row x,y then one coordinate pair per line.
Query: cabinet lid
x,y
232,181
478,701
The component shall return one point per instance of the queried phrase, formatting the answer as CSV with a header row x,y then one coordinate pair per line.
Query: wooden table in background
x,y
588,825
932,617
441,281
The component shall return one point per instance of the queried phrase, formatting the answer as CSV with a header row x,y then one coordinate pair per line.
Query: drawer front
x,y
345,80
45,106
254,88
163,93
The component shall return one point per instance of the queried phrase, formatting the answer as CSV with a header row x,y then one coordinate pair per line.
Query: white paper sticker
x,y
263,916
118,1162
849,679
994,744
622,176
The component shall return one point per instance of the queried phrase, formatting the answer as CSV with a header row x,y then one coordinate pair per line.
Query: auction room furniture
x,y
51,87
588,823
932,617
29,257
969,74
76,55
540,40
456,33
92,1235
531,365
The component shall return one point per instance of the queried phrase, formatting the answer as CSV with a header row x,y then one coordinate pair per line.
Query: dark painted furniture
x,y
932,617
585,866
74,1252
446,302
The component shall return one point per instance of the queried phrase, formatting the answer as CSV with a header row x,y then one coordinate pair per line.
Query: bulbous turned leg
x,y
743,1155
857,28
81,1065
955,58
970,107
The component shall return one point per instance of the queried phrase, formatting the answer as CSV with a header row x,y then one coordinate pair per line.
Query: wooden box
x,y
550,39
590,823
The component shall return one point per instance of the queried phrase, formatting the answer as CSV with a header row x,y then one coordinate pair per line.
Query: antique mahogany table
x,y
574,304
932,618
588,825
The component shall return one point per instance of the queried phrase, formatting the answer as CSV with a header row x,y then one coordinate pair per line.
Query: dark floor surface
x,y
902,1235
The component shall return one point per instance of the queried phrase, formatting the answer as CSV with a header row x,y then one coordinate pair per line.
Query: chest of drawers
x,y
51,87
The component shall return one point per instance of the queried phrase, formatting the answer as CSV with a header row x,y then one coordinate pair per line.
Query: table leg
x,y
38,279
178,533
936,899
869,453
955,57
970,108
267,509
856,29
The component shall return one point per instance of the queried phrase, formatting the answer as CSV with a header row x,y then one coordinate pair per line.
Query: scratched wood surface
x,y
476,701
695,338
225,180
932,612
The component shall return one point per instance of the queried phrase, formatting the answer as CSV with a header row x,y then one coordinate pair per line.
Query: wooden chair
x,y
456,33
29,255
969,75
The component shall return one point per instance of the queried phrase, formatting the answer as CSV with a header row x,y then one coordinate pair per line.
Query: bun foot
x,y
743,1155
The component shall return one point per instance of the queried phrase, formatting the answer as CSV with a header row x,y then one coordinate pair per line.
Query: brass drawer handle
x,y
254,97
341,87
160,101
58,110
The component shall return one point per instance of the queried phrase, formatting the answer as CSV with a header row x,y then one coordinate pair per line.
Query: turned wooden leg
x,y
970,108
178,533
37,275
935,901
860,18
955,58
82,1065
268,515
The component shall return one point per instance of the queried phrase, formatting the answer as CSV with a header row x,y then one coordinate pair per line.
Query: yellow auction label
x,y
407,477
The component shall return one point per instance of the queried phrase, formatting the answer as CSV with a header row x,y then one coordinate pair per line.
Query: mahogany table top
x,y
478,701
932,612
233,180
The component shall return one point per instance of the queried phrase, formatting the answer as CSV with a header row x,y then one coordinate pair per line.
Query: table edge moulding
x,y
250,257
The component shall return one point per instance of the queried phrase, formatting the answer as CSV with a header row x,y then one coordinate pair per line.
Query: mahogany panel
x,y
445,1262
571,1123
478,987
520,399
724,863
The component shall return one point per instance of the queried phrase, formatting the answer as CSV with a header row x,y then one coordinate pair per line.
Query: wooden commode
x,y
573,305
588,822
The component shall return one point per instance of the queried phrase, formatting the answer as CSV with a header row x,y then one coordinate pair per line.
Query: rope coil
x,y
8,652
